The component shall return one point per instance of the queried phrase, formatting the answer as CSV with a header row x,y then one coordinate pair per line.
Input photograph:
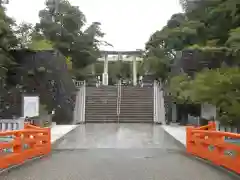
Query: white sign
x,y
208,111
31,106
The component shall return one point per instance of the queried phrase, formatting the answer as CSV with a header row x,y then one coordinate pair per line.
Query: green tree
x,y
23,33
200,25
8,41
40,44
64,28
212,29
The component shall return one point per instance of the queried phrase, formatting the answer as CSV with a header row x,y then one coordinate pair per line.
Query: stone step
x,y
101,100
121,119
114,99
137,99
137,90
133,105
144,94
136,117
121,107
100,114
135,112
101,109
100,104
137,93
137,102
130,105
101,118
121,114
102,95
136,108
121,111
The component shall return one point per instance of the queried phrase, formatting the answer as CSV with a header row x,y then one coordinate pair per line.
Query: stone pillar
x,y
134,64
105,71
174,112
93,69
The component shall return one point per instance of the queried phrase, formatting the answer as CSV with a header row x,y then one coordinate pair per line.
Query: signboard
x,y
208,111
30,106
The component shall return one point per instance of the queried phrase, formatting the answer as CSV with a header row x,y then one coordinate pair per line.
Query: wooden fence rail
x,y
21,145
221,148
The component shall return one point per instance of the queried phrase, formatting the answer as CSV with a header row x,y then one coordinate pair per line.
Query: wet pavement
x,y
117,152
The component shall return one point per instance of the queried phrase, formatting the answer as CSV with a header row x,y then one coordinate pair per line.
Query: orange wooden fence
x,y
221,148
21,145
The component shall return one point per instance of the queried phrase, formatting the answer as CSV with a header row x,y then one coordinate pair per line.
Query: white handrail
x,y
159,108
119,99
84,101
154,103
79,111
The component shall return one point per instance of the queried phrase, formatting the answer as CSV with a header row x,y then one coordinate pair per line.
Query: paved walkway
x,y
58,131
176,131
117,152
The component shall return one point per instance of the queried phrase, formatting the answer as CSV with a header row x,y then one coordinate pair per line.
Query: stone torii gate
x,y
132,56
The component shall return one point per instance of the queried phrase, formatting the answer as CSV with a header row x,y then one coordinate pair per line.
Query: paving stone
x,y
117,152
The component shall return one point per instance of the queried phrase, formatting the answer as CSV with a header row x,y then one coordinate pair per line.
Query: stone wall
x,y
42,73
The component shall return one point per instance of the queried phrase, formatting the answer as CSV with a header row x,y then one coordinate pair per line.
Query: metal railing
x,y
79,111
11,124
119,97
78,84
159,109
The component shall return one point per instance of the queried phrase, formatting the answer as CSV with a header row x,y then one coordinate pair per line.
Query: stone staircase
x,y
101,104
136,104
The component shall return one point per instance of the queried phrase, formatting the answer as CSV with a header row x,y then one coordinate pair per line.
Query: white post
x,y
161,112
134,63
93,69
105,71
83,102
154,101
162,107
158,105
79,111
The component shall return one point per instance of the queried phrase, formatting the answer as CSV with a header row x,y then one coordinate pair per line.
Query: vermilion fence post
x,y
221,148
49,140
27,143
188,138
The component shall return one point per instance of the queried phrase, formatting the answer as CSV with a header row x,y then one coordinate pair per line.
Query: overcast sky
x,y
128,24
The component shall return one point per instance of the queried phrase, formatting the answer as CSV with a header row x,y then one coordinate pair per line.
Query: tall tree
x,y
212,28
64,28
8,41
23,33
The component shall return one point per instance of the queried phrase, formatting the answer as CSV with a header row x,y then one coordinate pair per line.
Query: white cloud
x,y
127,24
